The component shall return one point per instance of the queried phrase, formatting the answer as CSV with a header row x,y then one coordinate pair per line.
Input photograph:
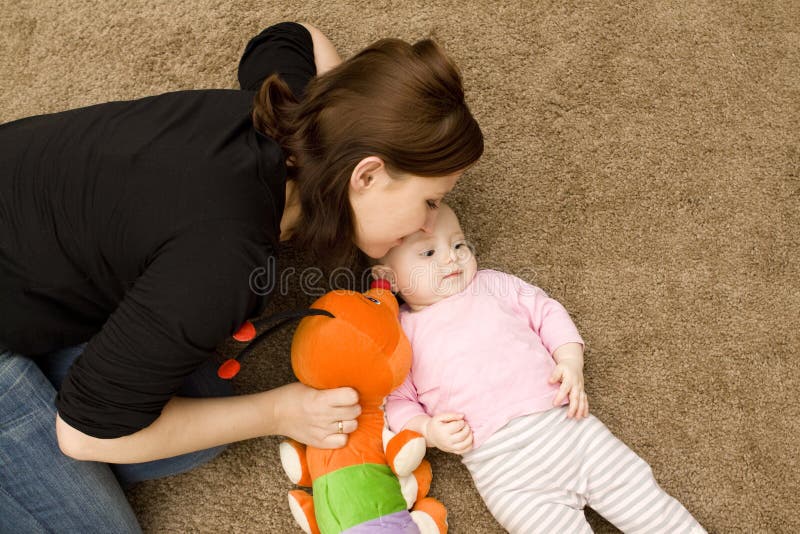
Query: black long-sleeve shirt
x,y
136,226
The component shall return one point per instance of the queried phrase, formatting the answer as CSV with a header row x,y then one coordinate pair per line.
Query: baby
x,y
497,376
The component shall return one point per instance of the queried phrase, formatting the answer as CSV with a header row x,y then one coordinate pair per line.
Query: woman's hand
x,y
312,416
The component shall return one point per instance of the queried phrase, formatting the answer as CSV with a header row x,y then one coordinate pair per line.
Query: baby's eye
x,y
427,253
460,245
433,204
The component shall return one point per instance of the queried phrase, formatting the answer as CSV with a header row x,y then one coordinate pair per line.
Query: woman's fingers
x,y
340,396
336,405
329,436
332,441
347,426
341,413
312,416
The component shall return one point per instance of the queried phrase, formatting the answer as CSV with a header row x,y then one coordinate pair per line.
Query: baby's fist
x,y
449,432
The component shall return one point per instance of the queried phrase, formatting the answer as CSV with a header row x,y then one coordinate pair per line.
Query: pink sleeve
x,y
547,317
402,405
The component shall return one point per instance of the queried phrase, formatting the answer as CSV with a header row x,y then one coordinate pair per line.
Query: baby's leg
x,y
510,472
620,487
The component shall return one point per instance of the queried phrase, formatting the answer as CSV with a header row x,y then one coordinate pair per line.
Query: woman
x,y
129,234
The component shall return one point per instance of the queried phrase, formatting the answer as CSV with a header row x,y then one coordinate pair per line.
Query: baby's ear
x,y
384,272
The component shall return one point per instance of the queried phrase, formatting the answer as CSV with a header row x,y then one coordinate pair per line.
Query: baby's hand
x,y
570,374
449,432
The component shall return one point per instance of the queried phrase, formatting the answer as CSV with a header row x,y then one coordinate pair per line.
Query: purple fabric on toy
x,y
399,523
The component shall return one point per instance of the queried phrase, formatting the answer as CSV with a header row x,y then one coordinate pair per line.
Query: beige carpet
x,y
642,165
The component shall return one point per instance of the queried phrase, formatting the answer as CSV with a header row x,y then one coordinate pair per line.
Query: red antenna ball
x,y
381,283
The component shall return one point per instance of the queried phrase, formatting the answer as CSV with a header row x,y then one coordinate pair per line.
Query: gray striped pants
x,y
538,472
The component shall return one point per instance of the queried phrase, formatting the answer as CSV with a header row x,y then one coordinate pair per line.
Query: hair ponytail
x,y
272,110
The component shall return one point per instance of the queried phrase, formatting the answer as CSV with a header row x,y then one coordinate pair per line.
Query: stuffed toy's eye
x,y
376,301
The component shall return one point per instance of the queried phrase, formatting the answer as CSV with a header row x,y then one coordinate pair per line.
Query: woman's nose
x,y
430,221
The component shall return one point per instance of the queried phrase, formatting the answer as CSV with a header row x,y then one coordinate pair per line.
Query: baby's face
x,y
429,267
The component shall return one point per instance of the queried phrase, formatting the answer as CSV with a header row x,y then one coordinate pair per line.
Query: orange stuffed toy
x,y
369,484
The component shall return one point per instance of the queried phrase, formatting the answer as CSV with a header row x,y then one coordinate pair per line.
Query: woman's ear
x,y
365,173
384,272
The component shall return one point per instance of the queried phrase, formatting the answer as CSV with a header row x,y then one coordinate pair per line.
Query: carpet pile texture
x,y
642,166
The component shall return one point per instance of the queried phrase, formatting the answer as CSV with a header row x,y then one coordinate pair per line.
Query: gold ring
x,y
341,427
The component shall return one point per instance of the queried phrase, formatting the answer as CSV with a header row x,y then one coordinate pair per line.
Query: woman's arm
x,y
192,424
325,55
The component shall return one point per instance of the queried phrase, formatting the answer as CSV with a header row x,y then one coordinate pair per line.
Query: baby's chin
x,y
452,286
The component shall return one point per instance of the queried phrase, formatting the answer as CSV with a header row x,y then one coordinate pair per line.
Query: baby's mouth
x,y
453,274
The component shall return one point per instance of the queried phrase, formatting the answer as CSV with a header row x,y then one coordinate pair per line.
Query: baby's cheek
x,y
414,278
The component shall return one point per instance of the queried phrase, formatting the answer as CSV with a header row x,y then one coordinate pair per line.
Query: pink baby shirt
x,y
484,352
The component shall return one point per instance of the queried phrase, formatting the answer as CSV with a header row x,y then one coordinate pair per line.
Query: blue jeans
x,y
41,489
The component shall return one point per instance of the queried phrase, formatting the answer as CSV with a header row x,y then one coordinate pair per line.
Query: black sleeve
x,y
286,49
194,294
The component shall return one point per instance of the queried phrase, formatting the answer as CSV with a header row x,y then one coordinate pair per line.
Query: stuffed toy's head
x,y
362,346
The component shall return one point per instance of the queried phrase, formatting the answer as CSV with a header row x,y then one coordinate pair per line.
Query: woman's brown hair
x,y
403,103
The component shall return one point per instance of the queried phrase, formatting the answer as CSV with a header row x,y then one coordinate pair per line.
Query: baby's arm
x,y
448,432
551,321
546,316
